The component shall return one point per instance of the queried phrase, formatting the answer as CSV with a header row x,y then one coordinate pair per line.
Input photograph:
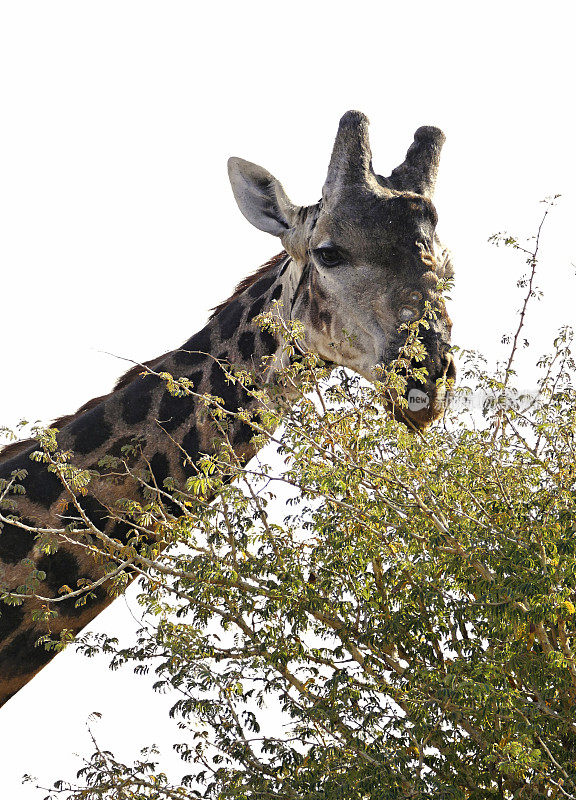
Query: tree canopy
x,y
400,625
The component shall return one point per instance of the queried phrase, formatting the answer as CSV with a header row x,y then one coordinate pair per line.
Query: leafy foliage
x,y
406,630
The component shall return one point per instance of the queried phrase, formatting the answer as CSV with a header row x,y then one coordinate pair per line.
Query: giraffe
x,y
355,265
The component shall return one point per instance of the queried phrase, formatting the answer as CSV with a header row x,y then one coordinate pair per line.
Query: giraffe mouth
x,y
422,416
425,403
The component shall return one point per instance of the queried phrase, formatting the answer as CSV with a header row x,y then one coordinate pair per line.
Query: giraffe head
x,y
367,257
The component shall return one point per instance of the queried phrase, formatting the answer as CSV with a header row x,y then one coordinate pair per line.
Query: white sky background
x,y
119,230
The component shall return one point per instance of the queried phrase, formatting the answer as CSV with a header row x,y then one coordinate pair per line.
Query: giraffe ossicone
x,y
356,267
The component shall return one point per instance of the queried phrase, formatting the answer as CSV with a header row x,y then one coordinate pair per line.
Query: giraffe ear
x,y
260,197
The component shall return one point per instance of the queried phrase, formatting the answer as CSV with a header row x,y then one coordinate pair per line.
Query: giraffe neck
x,y
170,432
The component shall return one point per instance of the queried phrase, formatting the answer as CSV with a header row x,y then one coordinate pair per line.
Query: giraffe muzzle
x,y
427,402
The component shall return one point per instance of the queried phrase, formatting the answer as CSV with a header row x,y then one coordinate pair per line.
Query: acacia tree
x,y
409,613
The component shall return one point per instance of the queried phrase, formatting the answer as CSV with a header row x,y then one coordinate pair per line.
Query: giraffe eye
x,y
327,256
415,297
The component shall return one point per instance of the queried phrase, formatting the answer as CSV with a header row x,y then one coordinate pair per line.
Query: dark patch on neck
x,y
243,433
93,510
191,446
261,287
15,543
137,399
61,569
174,411
222,387
255,309
137,370
193,351
269,343
244,399
11,617
160,469
21,657
284,268
122,531
90,431
246,344
229,319
42,487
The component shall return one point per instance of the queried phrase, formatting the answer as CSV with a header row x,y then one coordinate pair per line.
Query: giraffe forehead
x,y
374,218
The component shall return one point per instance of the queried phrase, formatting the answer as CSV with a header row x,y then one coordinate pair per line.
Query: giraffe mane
x,y
14,448
247,282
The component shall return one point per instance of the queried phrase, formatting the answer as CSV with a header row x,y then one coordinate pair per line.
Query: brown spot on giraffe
x,y
353,266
